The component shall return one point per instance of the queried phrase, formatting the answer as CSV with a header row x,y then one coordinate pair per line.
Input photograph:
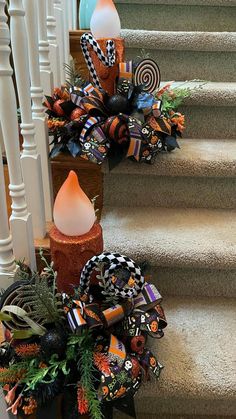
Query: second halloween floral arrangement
x,y
91,346
139,121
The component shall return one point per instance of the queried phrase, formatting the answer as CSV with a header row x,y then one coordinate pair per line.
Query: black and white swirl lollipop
x,y
147,73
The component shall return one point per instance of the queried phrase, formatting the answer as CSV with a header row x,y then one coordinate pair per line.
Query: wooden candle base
x,y
71,253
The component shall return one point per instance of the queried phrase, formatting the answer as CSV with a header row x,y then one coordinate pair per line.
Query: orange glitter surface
x,y
108,75
70,254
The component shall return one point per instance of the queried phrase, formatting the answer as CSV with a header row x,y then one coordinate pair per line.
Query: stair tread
x,y
196,157
198,352
178,237
180,40
209,93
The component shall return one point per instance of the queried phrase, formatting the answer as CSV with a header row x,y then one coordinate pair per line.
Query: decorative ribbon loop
x,y
114,262
89,124
126,70
135,130
148,298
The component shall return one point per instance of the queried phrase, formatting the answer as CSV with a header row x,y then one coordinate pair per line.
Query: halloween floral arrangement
x,y
138,121
91,346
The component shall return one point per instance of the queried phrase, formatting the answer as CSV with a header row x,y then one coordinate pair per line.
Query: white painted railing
x,y
45,66
39,38
72,14
20,220
60,35
7,263
30,159
53,43
37,97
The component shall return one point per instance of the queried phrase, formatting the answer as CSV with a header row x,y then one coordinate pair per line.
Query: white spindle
x,y
7,260
65,4
74,15
70,14
44,60
30,159
20,220
60,33
39,118
53,45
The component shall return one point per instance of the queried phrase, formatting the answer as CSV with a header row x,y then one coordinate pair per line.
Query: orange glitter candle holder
x,y
70,254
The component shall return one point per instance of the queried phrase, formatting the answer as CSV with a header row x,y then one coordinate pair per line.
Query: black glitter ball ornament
x,y
117,104
53,342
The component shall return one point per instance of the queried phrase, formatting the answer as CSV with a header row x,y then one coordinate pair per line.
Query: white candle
x,y
105,21
73,213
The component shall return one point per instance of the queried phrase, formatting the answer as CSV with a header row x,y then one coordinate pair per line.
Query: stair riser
x,y
158,191
210,121
119,415
176,281
178,18
189,65
146,407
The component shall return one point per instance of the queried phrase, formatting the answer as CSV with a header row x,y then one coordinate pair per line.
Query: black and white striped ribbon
x,y
108,60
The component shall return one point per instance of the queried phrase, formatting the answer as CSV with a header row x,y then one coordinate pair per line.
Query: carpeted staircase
x,y
180,213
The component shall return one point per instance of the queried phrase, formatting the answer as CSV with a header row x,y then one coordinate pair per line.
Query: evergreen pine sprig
x,y
38,296
73,77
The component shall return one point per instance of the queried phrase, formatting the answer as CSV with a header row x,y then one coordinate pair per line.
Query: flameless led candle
x,y
105,21
73,212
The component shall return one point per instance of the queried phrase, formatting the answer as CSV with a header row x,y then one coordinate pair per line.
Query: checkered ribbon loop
x,y
107,60
112,262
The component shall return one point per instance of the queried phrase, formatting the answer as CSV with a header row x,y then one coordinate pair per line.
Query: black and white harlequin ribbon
x,y
108,60
113,261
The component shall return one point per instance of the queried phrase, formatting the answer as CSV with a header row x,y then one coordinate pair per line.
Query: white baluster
x,y
60,35
20,220
53,45
7,260
74,8
30,159
65,4
44,61
70,14
39,118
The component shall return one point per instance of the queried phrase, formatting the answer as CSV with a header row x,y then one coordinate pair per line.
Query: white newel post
x,y
60,33
20,220
47,80
38,112
53,45
65,4
7,260
30,159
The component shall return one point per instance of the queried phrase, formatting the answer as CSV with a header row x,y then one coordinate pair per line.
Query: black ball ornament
x,y
117,104
53,342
